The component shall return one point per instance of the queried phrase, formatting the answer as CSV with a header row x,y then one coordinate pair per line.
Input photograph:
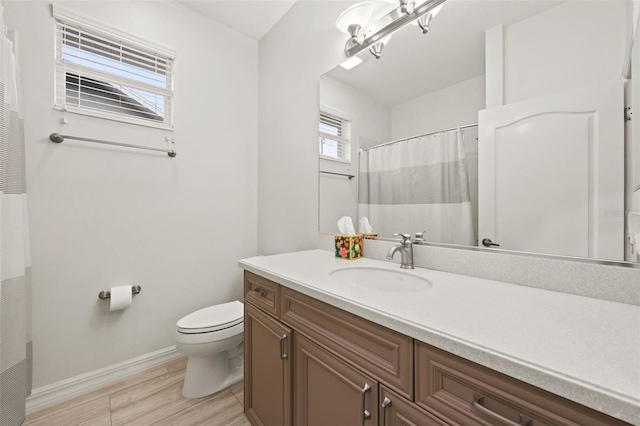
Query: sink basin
x,y
380,279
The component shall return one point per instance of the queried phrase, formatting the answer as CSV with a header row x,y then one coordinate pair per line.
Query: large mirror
x,y
502,127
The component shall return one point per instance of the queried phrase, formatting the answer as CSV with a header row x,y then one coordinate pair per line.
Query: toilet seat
x,y
211,319
195,339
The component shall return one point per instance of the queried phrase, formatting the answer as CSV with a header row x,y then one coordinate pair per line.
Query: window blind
x,y
105,75
334,137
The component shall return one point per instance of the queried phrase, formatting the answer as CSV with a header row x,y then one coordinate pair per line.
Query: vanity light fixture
x,y
354,18
374,35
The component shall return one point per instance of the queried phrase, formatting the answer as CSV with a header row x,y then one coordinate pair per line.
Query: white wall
x,y
573,45
370,123
302,46
452,106
103,216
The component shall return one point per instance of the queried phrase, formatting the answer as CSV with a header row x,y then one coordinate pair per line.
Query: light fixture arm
x,y
386,26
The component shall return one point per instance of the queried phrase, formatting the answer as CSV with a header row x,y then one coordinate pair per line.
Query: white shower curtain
x,y
418,185
15,287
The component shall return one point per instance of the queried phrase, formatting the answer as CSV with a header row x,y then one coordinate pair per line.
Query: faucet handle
x,y
420,235
405,237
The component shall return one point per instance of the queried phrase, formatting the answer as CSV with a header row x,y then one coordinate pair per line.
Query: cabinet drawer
x,y
384,354
262,293
449,385
397,411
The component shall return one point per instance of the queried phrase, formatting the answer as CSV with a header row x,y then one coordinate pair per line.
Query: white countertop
x,y
586,350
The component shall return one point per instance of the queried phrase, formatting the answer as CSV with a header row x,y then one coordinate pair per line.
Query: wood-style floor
x,y
153,397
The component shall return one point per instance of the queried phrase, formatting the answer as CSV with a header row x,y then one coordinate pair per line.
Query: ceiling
x,y
401,73
453,51
253,18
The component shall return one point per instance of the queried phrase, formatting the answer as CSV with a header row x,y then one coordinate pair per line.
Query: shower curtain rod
x,y
466,126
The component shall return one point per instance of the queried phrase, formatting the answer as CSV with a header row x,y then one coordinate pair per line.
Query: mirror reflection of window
x,y
334,137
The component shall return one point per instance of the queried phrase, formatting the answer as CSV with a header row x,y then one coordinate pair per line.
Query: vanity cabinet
x,y
309,363
267,369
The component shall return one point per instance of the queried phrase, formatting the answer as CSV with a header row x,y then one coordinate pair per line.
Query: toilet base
x,y
212,373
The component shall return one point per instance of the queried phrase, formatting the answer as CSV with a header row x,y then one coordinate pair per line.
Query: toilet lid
x,y
213,318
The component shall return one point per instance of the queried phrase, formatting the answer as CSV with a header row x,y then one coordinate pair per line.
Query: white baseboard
x,y
64,390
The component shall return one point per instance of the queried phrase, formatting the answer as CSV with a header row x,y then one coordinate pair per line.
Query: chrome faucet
x,y
406,251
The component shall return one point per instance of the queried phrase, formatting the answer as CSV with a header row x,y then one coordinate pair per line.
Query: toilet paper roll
x,y
120,297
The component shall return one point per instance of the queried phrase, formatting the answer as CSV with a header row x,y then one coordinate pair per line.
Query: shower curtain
x,y
15,287
418,185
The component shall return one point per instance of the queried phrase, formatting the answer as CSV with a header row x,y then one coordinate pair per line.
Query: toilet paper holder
x,y
107,294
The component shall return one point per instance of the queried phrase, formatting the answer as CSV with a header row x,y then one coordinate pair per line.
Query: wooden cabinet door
x,y
267,369
397,411
330,392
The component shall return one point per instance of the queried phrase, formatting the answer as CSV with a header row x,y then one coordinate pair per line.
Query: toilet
x,y
212,338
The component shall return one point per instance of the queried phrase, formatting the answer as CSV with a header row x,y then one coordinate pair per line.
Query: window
x,y
102,73
334,137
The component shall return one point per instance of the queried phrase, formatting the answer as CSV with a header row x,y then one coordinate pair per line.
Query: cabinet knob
x,y
262,292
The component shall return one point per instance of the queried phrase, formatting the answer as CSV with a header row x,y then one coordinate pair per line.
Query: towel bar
x,y
58,138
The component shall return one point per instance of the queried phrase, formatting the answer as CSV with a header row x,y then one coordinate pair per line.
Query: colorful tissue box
x,y
369,236
348,247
